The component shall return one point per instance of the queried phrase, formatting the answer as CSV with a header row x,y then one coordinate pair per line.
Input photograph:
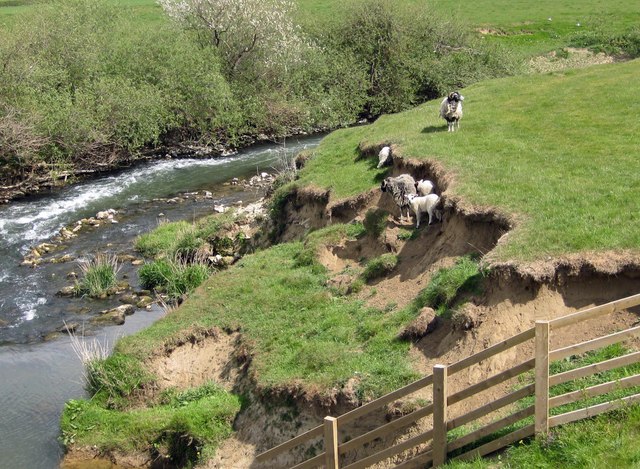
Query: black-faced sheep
x,y
451,110
424,187
400,188
384,157
425,203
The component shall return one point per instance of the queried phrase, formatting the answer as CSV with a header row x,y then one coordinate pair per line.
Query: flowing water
x,y
36,376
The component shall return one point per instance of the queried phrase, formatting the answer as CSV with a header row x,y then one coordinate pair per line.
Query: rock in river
x,y
115,315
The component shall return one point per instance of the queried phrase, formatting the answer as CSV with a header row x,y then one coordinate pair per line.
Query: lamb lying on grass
x,y
400,188
424,187
425,203
384,157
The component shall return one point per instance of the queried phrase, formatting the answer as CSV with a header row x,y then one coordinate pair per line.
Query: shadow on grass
x,y
430,129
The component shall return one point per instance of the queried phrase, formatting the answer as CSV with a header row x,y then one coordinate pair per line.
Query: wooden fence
x,y
442,447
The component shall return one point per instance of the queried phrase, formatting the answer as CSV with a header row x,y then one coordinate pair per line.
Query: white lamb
x,y
384,157
451,110
424,187
424,203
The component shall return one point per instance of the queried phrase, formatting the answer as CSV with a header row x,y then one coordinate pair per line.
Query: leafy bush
x,y
101,86
410,53
98,276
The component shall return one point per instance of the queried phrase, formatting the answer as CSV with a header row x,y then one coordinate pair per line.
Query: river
x,y
36,375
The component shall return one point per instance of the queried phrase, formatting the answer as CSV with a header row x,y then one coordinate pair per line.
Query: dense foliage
x,y
83,85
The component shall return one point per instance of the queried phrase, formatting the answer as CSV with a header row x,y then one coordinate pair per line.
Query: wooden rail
x,y
437,448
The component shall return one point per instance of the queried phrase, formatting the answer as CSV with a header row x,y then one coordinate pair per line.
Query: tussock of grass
x,y
155,274
380,266
375,222
112,380
449,284
175,277
98,276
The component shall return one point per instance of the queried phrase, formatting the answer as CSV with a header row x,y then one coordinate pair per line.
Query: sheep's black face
x,y
455,96
383,186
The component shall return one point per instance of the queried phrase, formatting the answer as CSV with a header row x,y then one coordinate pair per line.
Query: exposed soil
x,y
515,296
569,58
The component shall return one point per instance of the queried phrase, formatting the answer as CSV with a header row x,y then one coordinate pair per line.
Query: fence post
x,y
331,442
439,415
542,378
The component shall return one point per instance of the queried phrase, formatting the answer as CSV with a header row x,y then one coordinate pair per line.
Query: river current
x,y
38,376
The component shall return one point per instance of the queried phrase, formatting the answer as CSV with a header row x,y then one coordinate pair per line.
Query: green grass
x,y
609,438
160,241
380,266
524,26
188,426
448,284
549,149
299,331
147,11
98,276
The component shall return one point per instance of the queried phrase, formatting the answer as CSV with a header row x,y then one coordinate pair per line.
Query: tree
x,y
261,29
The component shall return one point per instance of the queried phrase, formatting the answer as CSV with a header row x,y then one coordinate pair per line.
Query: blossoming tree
x,y
241,28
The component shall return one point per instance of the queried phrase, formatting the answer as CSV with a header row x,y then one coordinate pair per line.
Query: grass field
x,y
527,27
557,151
147,11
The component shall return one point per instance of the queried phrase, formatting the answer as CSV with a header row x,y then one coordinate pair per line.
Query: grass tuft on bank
x,y
98,276
556,151
186,427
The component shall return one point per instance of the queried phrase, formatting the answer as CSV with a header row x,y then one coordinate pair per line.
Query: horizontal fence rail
x,y
430,446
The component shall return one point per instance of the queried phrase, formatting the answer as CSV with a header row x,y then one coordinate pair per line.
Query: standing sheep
x,y
400,188
425,203
451,110
384,157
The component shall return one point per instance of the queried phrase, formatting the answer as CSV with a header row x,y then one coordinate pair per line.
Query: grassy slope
x,y
301,332
559,150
